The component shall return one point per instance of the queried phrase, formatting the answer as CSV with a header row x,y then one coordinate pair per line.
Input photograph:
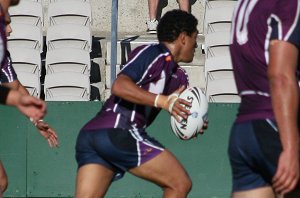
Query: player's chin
x,y
188,60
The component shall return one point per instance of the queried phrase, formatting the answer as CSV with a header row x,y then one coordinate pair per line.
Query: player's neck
x,y
173,48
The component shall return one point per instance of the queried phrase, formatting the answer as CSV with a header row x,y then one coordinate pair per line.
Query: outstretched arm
x,y
285,99
43,127
30,106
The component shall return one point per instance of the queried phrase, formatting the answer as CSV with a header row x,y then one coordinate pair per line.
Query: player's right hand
x,y
32,107
287,174
176,106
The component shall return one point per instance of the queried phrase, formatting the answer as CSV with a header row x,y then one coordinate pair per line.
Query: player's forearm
x,y
125,88
285,101
16,85
285,91
13,98
23,90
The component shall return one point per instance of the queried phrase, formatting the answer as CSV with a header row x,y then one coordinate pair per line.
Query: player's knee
x,y
182,185
186,185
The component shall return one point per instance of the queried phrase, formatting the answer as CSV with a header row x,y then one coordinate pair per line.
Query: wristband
x,y
156,100
35,123
172,105
173,94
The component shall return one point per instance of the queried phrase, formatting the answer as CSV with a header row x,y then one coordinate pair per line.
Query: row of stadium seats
x,y
68,46
58,12
220,83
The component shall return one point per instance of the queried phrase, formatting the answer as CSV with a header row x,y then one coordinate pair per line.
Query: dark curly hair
x,y
175,22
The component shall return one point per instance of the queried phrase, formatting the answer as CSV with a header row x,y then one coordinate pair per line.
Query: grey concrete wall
x,y
134,13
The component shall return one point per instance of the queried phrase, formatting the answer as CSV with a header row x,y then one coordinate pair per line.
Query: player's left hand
x,y
47,132
201,132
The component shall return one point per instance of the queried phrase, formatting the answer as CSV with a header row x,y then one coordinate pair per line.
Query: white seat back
x,y
69,86
217,43
69,36
31,82
222,90
24,35
218,19
75,12
27,12
68,59
26,60
218,67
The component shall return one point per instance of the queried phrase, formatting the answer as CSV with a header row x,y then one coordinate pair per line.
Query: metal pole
x,y
114,35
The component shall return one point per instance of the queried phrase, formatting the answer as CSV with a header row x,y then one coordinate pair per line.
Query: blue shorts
x,y
116,149
254,149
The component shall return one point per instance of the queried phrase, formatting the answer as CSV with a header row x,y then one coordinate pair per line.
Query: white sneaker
x,y
152,24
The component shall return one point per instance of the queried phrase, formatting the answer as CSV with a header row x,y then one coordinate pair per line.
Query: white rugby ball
x,y
187,128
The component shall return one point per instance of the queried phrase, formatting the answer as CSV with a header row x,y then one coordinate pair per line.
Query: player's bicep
x,y
283,59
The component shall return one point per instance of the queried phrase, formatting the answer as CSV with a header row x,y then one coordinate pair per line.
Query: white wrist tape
x,y
173,95
156,100
172,104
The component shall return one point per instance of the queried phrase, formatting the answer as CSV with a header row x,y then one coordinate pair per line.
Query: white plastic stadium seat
x,y
209,4
68,59
27,12
218,19
75,12
222,90
31,82
67,86
26,60
24,35
218,67
217,44
69,35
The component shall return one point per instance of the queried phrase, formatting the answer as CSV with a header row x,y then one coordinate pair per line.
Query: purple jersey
x,y
255,23
7,72
151,67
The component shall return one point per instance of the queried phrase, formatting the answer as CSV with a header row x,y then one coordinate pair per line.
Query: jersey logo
x,y
168,58
242,19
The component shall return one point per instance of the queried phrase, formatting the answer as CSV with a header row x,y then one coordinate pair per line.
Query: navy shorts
x,y
254,150
116,149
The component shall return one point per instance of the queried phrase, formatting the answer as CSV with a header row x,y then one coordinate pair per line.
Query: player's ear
x,y
182,38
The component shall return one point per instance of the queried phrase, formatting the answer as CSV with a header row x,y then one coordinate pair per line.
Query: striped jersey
x,y
255,24
7,72
152,68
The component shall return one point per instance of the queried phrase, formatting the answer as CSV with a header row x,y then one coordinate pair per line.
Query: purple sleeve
x,y
285,23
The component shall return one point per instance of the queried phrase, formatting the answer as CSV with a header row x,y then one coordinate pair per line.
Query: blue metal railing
x,y
114,37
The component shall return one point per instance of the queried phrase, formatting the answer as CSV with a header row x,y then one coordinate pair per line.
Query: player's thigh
x,y
93,180
263,192
164,170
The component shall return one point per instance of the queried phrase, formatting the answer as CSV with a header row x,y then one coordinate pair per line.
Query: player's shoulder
x,y
287,8
181,75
